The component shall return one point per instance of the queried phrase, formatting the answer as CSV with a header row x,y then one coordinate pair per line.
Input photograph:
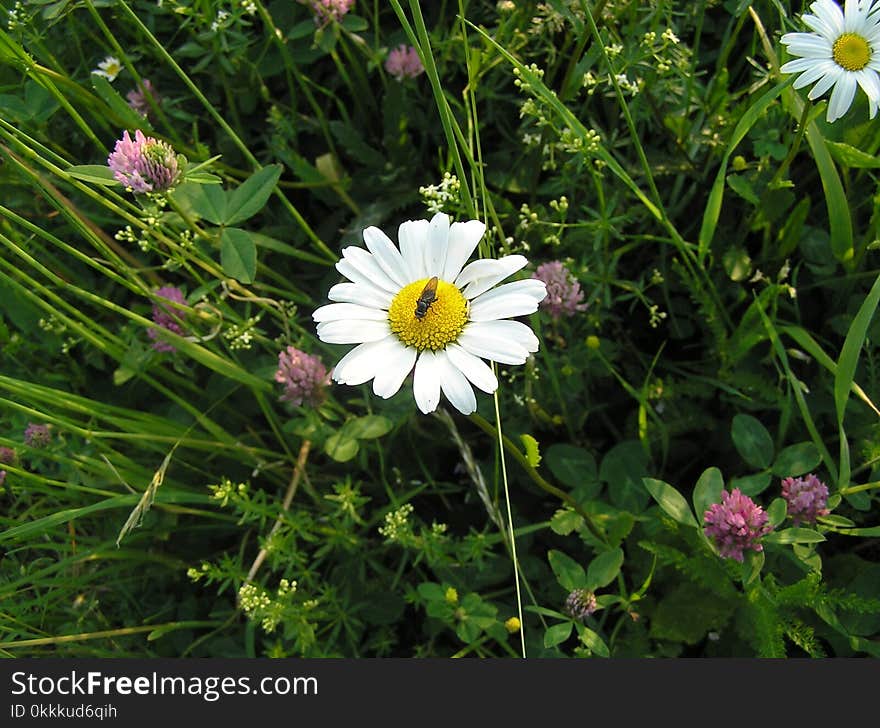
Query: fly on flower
x,y
403,320
426,298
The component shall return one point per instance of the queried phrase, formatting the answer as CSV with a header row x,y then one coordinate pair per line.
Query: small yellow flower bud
x,y
739,163
512,625
593,342
451,595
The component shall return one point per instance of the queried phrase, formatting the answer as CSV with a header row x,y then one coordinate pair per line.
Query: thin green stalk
x,y
511,447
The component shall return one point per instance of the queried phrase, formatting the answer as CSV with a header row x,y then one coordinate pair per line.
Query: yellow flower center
x,y
851,52
440,325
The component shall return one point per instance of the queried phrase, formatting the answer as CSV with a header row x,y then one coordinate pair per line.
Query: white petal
x,y
825,83
438,241
365,264
515,332
870,84
813,74
463,240
481,275
352,332
362,293
501,308
841,97
397,365
507,342
808,45
426,382
801,64
474,368
363,362
518,298
504,352
386,255
531,287
348,311
830,14
455,386
413,238
351,272
852,17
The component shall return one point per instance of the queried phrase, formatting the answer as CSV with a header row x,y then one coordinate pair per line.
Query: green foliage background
x,y
723,233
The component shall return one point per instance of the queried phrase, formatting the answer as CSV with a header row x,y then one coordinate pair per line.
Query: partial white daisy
x,y
842,53
386,308
109,68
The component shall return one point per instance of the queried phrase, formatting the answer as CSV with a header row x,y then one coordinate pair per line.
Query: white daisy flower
x,y
843,52
404,319
109,68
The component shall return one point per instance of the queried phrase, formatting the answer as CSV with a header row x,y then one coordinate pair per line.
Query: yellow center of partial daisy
x,y
440,325
851,52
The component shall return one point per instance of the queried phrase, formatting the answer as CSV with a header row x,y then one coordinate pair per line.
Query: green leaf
x,y
557,634
569,573
716,195
754,484
776,511
623,468
592,641
203,178
851,157
743,187
119,106
238,255
431,591
794,535
533,453
604,569
250,197
707,491
671,501
752,564
340,447
846,371
96,174
565,520
872,532
570,465
752,441
796,460
832,519
209,202
354,23
368,427
839,219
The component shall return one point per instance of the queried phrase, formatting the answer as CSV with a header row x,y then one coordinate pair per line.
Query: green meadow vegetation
x,y
643,421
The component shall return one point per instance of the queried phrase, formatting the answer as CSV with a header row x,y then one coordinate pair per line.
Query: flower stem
x,y
509,445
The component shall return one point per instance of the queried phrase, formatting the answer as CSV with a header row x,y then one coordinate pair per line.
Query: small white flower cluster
x,y
220,20
561,205
226,490
656,315
251,597
249,6
128,235
437,197
397,524
16,17
202,572
574,143
241,336
631,87
258,605
523,83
